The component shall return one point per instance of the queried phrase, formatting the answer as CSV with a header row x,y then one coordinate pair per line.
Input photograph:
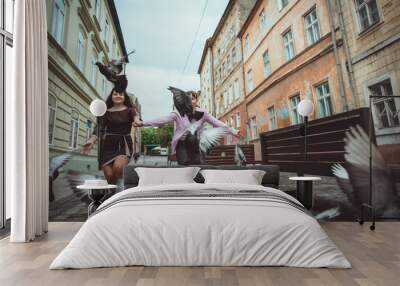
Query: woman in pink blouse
x,y
186,146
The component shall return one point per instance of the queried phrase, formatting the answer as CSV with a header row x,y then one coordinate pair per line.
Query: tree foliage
x,y
162,135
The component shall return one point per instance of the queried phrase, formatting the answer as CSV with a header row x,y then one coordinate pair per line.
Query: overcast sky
x,y
162,32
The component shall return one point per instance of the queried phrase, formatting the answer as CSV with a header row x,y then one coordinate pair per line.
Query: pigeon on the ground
x,y
240,158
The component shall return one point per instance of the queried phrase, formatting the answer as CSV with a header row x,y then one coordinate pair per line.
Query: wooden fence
x,y
325,143
225,155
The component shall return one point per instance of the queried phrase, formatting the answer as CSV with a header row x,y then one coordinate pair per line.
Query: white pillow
x,y
248,177
166,176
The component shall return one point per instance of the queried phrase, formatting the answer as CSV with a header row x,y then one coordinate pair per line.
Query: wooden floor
x,y
375,257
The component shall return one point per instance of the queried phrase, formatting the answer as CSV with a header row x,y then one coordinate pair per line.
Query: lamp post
x,y
98,108
305,108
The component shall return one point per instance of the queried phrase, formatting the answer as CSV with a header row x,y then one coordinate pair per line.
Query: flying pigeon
x,y
114,72
56,162
353,178
182,101
208,138
119,80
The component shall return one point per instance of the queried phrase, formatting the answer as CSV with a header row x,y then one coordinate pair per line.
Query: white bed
x,y
207,230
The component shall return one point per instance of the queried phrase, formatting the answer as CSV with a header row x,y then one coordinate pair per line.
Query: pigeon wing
x,y
57,162
357,157
105,70
116,66
182,101
211,137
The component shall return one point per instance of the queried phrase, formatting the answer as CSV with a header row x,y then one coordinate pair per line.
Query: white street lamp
x,y
98,108
305,108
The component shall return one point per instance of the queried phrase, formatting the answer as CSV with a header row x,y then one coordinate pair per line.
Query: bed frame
x,y
270,179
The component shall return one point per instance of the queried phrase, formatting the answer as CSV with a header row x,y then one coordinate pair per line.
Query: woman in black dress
x,y
115,135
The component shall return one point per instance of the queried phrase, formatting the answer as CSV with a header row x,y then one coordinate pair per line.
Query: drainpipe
x,y
213,111
247,138
336,53
349,65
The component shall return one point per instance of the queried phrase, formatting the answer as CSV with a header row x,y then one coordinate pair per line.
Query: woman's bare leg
x,y
118,166
109,174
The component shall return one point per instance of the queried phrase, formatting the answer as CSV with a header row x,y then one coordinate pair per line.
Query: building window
x,y
93,77
231,94
97,9
74,129
324,100
113,48
232,32
250,83
368,14
282,4
387,110
288,45
237,119
52,117
232,121
223,69
247,44
236,89
106,30
272,118
263,21
294,101
225,99
80,54
221,104
103,86
89,129
233,55
312,27
228,62
58,21
253,128
267,64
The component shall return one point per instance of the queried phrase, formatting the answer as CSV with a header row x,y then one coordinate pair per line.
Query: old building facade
x,y
225,53
372,30
292,50
206,97
79,34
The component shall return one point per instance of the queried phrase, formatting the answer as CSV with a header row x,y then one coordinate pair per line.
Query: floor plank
x,y
374,255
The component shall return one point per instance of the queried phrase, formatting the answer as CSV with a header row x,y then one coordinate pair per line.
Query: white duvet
x,y
200,231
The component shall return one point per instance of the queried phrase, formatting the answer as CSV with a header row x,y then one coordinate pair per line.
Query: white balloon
x,y
305,107
98,107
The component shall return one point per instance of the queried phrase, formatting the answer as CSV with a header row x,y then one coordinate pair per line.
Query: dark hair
x,y
127,100
193,94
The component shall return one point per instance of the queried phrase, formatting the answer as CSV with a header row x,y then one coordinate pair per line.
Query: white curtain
x,y
27,124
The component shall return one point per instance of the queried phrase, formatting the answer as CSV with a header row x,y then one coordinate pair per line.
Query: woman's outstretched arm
x,y
217,123
169,118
